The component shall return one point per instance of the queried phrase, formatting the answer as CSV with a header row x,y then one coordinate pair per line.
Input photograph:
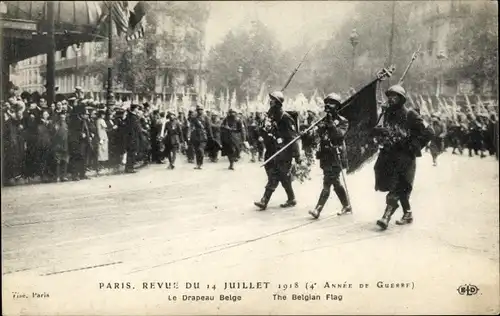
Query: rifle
x,y
401,80
296,69
413,57
381,75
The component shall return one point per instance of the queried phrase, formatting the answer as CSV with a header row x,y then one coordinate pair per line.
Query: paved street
x,y
201,226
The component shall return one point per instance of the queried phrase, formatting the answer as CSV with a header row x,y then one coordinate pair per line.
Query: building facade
x,y
437,22
74,66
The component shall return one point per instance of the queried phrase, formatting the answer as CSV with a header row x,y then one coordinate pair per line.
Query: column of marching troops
x,y
67,140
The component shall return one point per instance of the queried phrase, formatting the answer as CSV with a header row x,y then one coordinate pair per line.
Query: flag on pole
x,y
362,113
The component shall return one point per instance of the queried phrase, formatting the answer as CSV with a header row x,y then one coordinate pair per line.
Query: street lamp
x,y
76,49
441,56
354,38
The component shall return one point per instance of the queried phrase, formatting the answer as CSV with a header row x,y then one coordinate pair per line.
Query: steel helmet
x,y
397,89
332,98
278,96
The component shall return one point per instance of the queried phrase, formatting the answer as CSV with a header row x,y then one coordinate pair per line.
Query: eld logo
x,y
468,289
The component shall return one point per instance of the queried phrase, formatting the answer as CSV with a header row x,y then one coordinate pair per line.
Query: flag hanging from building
x,y
136,33
120,12
128,18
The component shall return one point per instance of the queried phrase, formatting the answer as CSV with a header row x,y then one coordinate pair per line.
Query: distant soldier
x,y
402,135
200,132
233,134
279,133
475,136
173,138
309,138
458,132
436,145
331,154
214,146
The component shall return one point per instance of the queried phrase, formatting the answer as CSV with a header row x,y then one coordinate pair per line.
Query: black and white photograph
x,y
250,157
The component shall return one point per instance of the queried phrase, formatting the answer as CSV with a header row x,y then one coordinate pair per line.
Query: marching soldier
x,y
402,137
458,131
281,131
437,144
173,138
233,134
331,155
200,132
214,146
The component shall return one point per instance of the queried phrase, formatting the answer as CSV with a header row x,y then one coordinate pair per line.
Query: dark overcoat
x,y
396,162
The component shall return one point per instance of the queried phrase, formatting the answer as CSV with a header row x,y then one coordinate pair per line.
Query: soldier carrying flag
x,y
331,154
402,134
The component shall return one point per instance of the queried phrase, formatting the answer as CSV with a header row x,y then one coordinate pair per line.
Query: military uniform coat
x,y
285,131
407,134
200,130
173,136
331,139
233,134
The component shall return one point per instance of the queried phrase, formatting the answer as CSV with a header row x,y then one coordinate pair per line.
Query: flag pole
x,y
110,99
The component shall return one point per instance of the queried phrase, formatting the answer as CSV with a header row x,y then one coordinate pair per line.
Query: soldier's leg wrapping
x,y
190,151
172,156
199,151
325,192
231,157
334,179
273,179
261,150
286,179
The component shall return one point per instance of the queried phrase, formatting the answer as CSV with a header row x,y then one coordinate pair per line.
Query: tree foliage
x,y
244,60
474,46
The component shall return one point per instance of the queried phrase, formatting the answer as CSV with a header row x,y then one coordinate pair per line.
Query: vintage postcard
x,y
249,157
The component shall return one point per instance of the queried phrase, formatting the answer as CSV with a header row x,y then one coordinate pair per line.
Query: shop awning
x,y
25,23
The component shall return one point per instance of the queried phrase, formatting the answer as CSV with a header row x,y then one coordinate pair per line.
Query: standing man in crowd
x,y
133,137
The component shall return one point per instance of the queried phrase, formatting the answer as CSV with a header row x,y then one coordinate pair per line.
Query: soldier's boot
x,y
262,204
386,218
342,195
483,154
253,156
291,202
406,219
231,164
323,197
